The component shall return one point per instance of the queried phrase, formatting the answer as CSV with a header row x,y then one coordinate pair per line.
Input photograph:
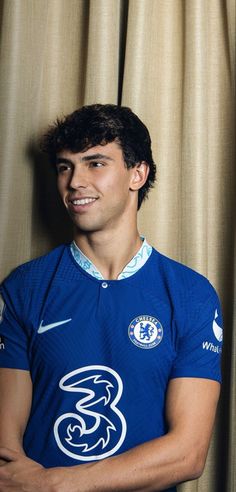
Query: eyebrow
x,y
84,159
96,156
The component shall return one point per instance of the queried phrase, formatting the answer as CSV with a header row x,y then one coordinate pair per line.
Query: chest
x,y
112,324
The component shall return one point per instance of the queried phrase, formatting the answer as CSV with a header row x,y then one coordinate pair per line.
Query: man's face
x,y
95,187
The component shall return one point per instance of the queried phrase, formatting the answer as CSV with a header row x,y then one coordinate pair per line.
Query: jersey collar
x,y
131,268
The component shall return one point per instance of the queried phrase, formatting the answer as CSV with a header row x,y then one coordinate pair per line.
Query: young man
x,y
110,364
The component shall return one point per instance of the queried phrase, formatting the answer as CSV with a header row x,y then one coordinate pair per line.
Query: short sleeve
x,y
199,345
13,336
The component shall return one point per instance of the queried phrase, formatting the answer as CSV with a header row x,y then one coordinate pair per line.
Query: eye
x,y
63,167
96,164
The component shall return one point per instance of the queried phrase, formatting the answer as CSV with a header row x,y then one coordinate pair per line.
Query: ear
x,y
139,175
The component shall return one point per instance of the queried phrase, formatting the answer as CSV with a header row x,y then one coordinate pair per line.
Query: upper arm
x,y
190,411
15,405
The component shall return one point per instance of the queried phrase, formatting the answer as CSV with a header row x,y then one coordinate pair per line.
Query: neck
x,y
109,251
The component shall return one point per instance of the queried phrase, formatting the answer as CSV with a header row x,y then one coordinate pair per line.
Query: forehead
x,y
110,150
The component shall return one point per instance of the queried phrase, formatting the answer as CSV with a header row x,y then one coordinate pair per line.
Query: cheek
x,y
61,186
116,184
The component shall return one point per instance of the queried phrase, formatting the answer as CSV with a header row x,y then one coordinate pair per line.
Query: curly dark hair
x,y
99,124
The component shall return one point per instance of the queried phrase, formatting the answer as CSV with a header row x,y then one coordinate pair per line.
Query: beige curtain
x,y
173,62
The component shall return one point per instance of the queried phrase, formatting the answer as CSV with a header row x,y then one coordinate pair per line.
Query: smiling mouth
x,y
83,201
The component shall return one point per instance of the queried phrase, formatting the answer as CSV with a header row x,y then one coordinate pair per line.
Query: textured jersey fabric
x,y
101,353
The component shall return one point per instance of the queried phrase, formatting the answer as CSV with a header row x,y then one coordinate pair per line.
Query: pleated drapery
x,y
173,63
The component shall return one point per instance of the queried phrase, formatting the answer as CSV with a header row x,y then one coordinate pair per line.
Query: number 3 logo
x,y
97,428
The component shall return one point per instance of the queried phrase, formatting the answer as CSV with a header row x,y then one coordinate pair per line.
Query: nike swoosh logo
x,y
44,328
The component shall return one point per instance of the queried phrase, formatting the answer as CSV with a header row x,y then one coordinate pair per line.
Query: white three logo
x,y
218,332
44,328
95,428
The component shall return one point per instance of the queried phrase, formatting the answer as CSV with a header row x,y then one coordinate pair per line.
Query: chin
x,y
83,227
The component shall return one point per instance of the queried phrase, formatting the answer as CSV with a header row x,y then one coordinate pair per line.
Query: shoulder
x,y
23,292
37,269
183,280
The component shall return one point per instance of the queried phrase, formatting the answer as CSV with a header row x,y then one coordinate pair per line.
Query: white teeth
x,y
83,201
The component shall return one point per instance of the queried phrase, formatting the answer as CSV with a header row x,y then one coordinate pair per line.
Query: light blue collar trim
x,y
130,269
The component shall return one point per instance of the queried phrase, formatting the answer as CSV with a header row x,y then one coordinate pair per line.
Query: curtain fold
x,y
102,64
173,63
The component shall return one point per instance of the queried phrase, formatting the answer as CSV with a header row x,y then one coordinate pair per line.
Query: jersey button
x,y
104,285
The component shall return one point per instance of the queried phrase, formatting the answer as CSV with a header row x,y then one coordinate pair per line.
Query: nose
x,y
78,179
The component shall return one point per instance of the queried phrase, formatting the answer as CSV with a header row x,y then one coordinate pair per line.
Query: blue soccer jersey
x,y
101,353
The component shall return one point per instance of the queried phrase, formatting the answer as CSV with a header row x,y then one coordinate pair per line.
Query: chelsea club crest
x,y
145,332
